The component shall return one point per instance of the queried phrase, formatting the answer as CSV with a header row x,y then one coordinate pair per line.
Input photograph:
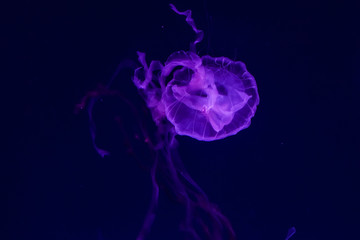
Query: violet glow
x,y
205,98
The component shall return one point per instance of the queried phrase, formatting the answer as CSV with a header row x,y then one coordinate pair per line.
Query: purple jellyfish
x,y
205,98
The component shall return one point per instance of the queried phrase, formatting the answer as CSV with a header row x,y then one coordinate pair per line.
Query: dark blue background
x,y
297,164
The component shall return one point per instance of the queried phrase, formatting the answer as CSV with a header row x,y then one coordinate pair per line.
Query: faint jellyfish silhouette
x,y
205,98
290,233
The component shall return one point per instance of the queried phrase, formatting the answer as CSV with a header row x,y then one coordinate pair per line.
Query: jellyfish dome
x,y
206,98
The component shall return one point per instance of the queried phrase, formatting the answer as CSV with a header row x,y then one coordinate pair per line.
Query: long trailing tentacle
x,y
203,220
199,33
89,100
290,233
151,214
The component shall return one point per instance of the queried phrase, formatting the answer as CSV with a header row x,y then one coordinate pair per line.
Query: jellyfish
x,y
205,98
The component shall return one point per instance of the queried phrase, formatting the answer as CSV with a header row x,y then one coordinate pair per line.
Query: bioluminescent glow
x,y
206,98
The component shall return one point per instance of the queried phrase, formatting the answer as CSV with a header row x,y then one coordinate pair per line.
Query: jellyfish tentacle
x,y
199,33
151,214
290,233
89,100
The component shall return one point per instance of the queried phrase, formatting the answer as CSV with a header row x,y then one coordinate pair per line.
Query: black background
x,y
296,165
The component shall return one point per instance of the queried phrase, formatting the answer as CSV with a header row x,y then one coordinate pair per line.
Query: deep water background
x,y
296,165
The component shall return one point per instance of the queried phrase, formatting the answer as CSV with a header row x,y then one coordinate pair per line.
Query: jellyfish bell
x,y
219,100
207,98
